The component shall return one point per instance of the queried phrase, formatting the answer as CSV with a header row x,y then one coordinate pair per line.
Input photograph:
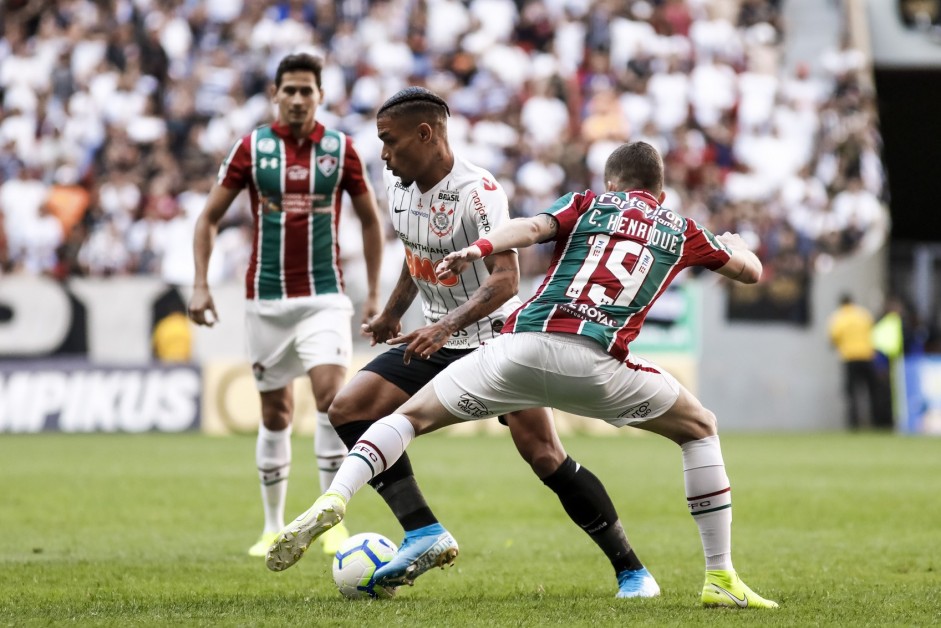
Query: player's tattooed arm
x,y
402,295
502,284
388,323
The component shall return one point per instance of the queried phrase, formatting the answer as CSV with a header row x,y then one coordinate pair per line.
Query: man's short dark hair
x,y
635,166
415,101
300,62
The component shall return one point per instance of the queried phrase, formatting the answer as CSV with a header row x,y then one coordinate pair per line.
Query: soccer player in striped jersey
x,y
569,347
440,203
297,315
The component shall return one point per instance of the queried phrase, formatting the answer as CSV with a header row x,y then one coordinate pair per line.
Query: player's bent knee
x,y
544,461
709,423
342,410
702,424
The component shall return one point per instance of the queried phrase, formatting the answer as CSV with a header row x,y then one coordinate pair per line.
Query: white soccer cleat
x,y
294,539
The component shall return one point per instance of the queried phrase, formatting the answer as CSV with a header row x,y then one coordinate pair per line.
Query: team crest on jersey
x,y
441,220
298,173
327,164
267,145
329,144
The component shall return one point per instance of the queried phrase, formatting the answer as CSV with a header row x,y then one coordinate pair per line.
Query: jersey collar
x,y
284,132
645,195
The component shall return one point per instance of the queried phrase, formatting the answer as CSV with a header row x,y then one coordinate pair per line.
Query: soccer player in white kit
x,y
439,203
568,347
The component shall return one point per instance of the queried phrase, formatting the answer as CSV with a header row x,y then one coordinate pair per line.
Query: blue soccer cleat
x,y
422,549
637,583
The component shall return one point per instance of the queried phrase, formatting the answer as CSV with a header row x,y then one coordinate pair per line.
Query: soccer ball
x,y
357,560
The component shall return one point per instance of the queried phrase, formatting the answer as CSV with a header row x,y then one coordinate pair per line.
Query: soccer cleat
x,y
725,588
637,583
422,549
332,539
264,542
293,541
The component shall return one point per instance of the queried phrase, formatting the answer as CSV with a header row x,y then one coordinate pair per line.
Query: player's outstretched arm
x,y
744,266
515,234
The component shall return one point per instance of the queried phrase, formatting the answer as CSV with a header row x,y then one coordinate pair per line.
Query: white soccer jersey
x,y
464,206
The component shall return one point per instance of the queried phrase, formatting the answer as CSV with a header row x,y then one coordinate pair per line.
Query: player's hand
x,y
422,342
455,263
734,241
381,328
202,310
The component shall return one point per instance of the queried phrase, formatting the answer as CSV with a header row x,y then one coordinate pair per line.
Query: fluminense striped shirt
x,y
614,256
295,188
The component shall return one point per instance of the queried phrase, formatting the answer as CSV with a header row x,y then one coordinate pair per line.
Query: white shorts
x,y
564,371
288,337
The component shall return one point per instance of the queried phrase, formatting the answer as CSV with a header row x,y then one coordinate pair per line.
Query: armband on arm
x,y
486,248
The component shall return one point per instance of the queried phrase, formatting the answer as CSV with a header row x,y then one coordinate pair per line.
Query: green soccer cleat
x,y
260,548
725,588
332,539
293,541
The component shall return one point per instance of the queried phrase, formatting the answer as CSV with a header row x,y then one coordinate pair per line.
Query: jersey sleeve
x,y
354,171
567,210
236,171
703,248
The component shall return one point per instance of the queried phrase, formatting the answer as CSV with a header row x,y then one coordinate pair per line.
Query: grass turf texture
x,y
153,529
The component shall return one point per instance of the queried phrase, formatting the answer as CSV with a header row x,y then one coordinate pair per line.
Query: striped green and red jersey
x,y
614,256
296,188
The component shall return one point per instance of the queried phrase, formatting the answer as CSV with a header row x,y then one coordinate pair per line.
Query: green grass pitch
x,y
841,529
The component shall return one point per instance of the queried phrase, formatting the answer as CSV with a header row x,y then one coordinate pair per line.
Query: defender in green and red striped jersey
x,y
297,315
615,254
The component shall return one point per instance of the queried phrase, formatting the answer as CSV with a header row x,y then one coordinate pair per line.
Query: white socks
x,y
376,450
273,459
709,498
329,450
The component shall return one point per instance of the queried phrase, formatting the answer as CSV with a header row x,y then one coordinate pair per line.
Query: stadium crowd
x,y
116,113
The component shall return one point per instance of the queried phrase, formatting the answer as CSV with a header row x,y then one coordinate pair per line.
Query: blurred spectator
x,y
114,115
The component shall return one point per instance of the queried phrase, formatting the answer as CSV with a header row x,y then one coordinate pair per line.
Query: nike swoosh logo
x,y
741,603
399,211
